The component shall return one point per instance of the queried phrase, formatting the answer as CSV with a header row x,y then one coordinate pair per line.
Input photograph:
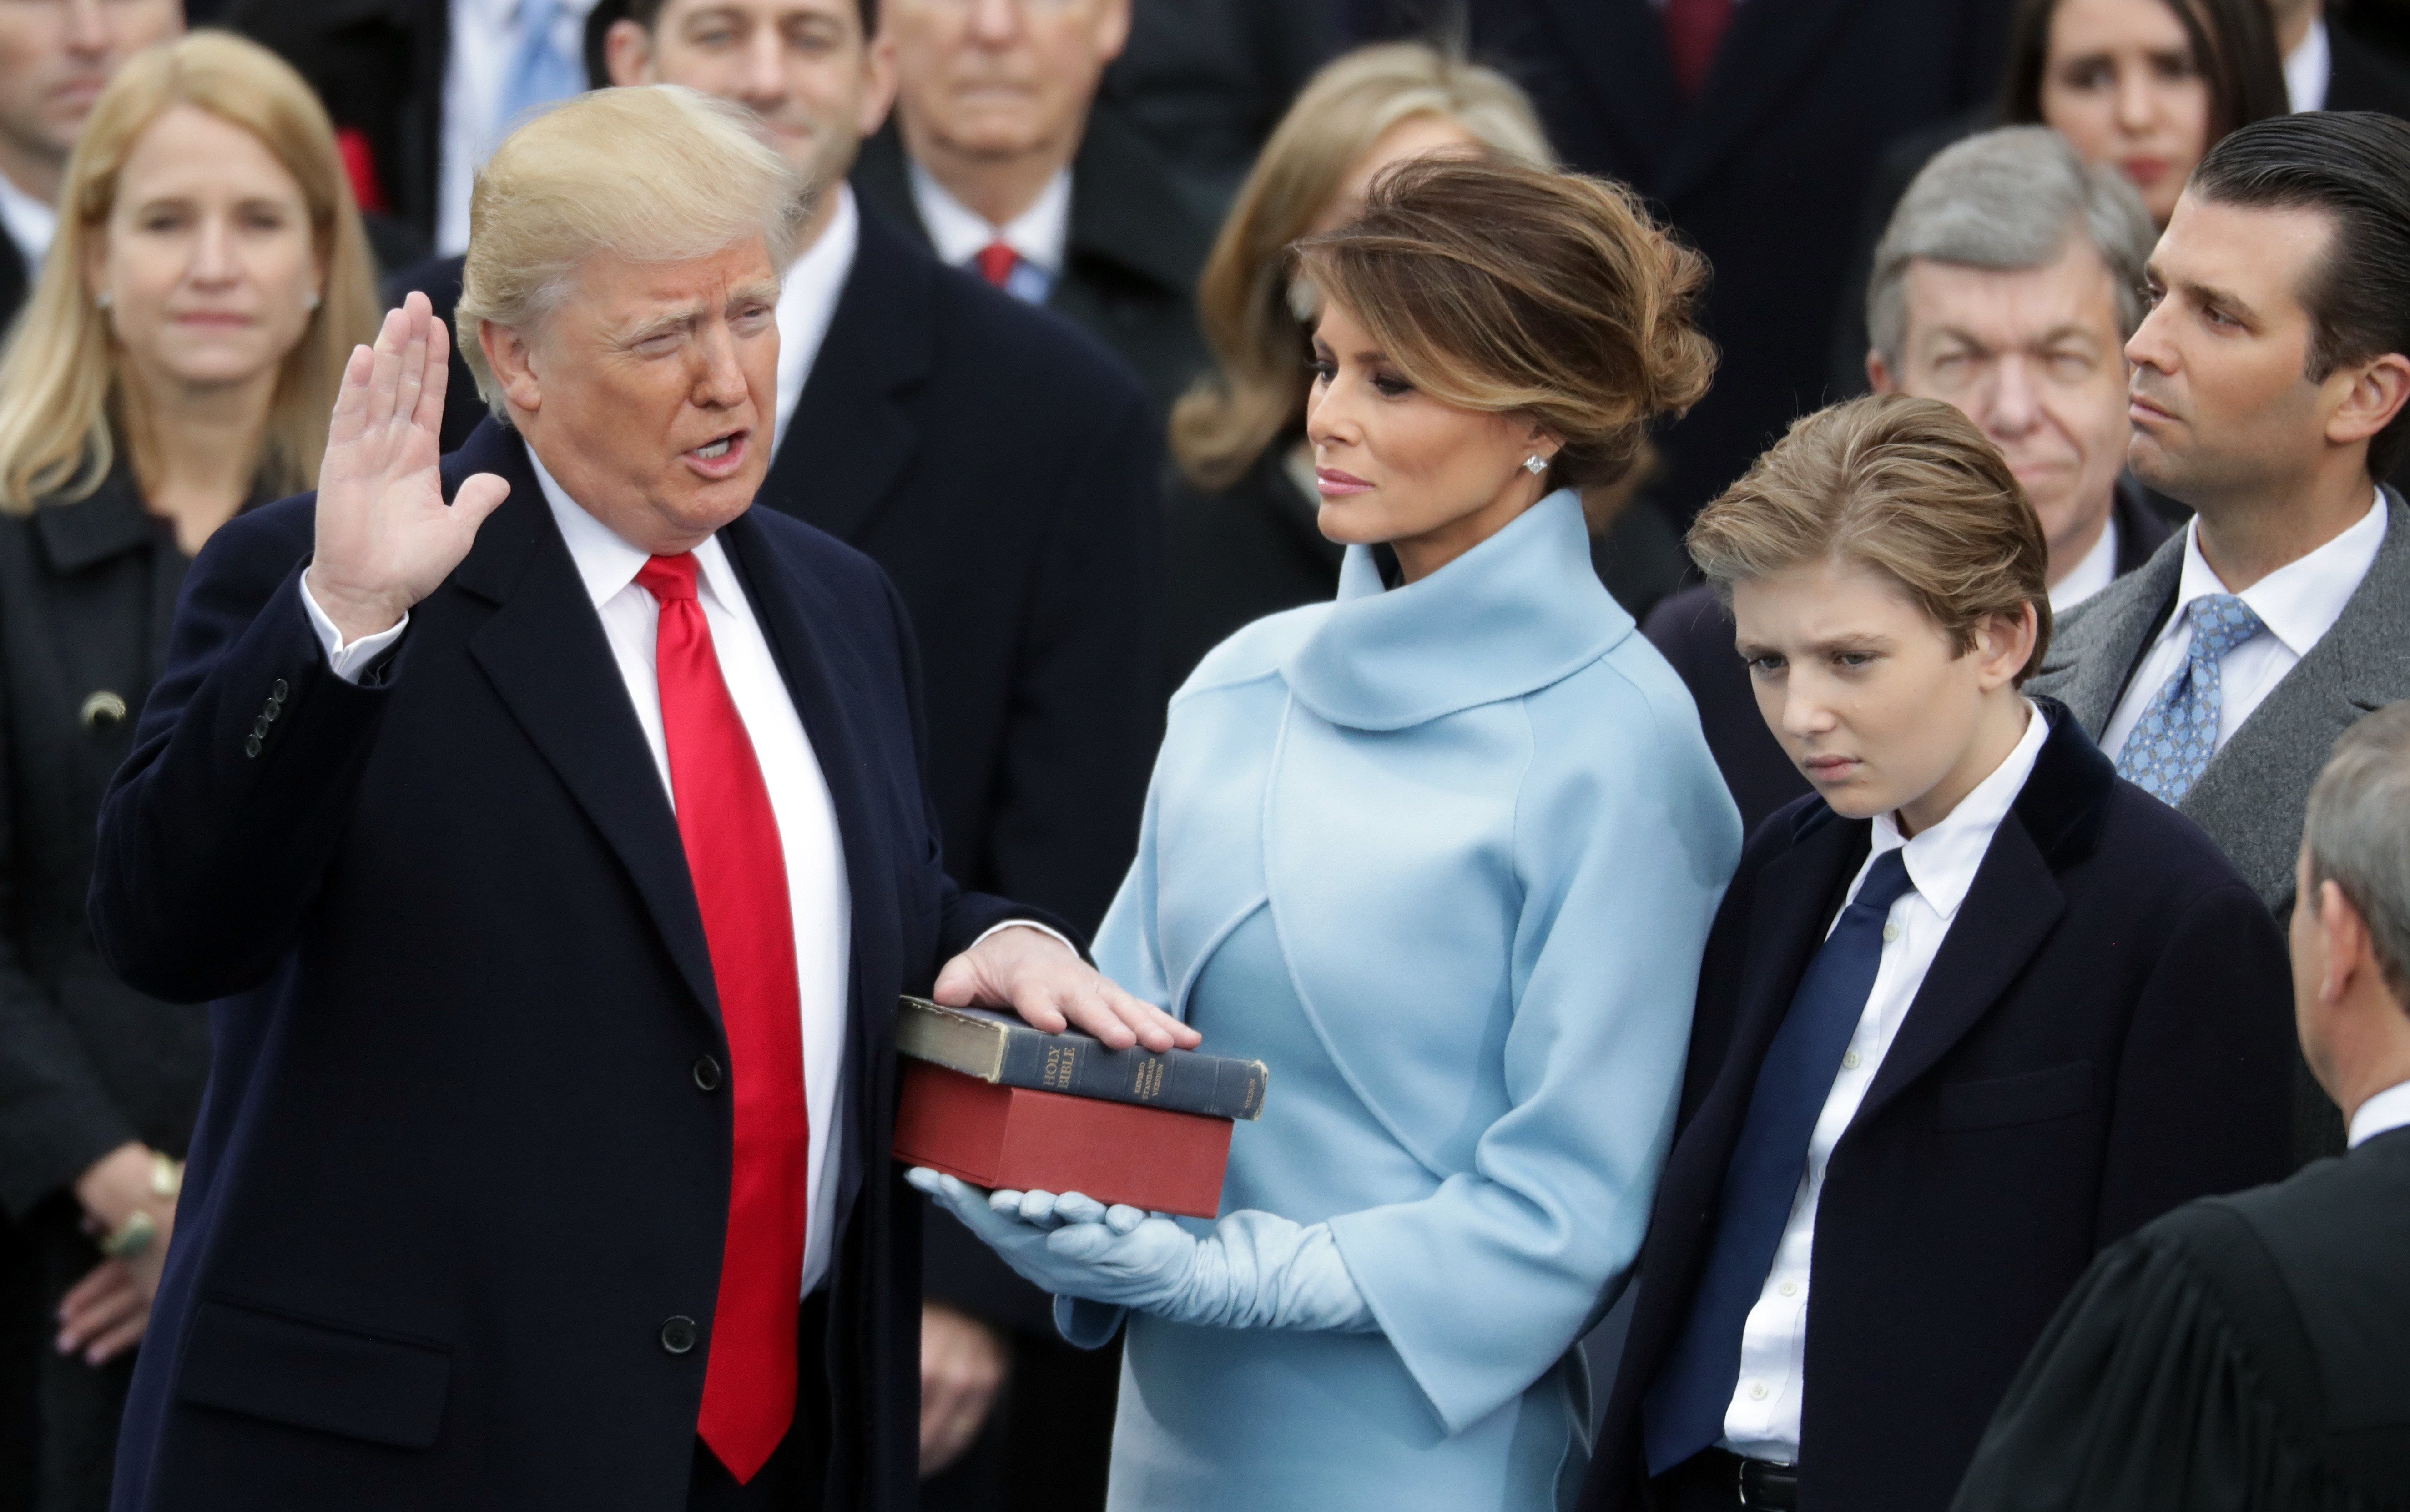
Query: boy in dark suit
x,y
1971,1012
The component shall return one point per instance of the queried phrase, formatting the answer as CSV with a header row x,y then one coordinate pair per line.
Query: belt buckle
x,y
1740,1485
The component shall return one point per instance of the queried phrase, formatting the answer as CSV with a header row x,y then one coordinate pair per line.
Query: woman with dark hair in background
x,y
2148,85
177,361
1441,855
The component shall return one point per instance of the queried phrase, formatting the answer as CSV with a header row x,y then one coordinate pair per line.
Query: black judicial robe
x,y
2241,1352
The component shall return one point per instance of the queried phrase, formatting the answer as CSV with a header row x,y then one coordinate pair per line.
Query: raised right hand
x,y
386,537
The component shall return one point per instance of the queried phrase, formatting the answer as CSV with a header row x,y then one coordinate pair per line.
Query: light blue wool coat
x,y
1447,856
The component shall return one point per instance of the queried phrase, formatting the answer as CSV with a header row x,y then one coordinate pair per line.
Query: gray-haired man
x,y
2006,285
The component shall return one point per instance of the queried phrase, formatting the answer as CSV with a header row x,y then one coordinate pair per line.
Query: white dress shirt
x,y
2299,602
2309,68
2383,1114
480,46
2095,571
1762,1421
816,891
807,301
1038,234
31,224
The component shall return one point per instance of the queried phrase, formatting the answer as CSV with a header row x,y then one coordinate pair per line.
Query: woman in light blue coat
x,y
1442,853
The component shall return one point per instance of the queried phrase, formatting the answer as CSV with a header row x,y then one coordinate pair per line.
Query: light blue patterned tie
x,y
2178,733
540,71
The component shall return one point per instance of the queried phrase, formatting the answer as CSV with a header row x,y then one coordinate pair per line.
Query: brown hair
x,y
1494,286
62,375
2233,45
1258,385
1906,487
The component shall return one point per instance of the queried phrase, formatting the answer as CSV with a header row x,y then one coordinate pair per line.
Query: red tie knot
x,y
996,262
668,578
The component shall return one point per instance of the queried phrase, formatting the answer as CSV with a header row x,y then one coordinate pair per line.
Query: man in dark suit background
x,y
1001,156
1754,126
1971,1013
2326,67
2246,1352
549,827
2270,387
54,59
2006,285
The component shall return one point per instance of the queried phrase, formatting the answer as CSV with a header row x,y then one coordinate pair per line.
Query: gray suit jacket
x,y
2251,797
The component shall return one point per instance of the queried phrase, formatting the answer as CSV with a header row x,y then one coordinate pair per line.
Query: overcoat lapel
x,y
852,435
544,652
2101,641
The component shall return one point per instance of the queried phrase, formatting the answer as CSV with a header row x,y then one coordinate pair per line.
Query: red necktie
x,y
996,262
1693,30
740,886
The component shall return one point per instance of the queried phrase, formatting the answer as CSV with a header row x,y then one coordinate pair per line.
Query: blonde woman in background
x,y
178,360
1240,539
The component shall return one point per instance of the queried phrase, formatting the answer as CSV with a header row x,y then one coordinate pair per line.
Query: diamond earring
x,y
310,300
1536,464
102,300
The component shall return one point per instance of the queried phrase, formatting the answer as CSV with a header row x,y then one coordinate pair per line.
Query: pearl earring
x,y
102,300
1536,464
312,302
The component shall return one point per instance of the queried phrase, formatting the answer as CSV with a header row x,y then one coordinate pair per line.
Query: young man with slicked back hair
x,y
2271,391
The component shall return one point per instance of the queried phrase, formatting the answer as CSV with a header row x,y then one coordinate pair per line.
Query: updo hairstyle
x,y
1495,285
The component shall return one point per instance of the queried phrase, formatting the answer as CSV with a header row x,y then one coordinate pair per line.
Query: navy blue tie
x,y
1684,1409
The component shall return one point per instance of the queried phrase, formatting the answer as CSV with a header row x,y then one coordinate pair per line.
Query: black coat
x,y
1130,258
2240,1352
1764,172
454,1174
1234,554
14,283
2106,1033
2360,77
87,591
1695,634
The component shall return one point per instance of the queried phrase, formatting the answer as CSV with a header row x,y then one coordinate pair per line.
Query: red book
x,y
1021,1139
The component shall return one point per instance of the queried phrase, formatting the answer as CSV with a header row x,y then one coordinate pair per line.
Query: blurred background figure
x,y
2328,68
421,92
2246,1352
1239,538
1755,125
2006,284
2148,86
1205,81
178,360
55,57
1001,156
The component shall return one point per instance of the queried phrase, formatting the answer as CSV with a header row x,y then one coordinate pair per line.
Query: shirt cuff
x,y
1010,923
351,663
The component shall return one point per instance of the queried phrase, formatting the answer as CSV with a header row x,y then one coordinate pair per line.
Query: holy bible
x,y
987,1098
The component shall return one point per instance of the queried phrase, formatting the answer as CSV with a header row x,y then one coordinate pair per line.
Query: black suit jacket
x,y
14,283
1764,172
2105,1034
2360,77
1695,634
378,67
455,1172
1130,259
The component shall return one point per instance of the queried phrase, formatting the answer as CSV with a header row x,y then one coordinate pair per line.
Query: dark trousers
x,y
795,1476
1710,1481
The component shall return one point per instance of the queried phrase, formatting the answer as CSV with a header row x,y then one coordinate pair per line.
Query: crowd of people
x,y
1752,643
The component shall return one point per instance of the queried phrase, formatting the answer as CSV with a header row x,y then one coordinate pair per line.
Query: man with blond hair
x,y
545,825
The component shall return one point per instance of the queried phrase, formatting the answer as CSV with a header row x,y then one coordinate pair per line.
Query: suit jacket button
x,y
251,746
679,1335
102,709
279,692
706,1074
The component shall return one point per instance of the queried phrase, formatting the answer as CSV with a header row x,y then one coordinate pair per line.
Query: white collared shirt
x,y
31,224
818,894
2309,68
807,301
2299,602
2383,1114
1762,1421
2095,571
958,232
481,44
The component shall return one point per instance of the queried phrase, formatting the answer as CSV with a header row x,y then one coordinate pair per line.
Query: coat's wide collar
x,y
1517,613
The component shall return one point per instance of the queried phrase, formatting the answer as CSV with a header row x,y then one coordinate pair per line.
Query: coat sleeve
x,y
2204,1083
56,1114
1086,705
218,832
1624,840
